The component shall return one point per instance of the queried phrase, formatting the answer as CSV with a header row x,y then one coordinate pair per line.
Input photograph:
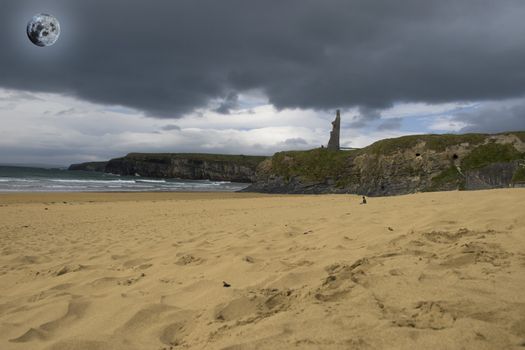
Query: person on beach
x,y
364,200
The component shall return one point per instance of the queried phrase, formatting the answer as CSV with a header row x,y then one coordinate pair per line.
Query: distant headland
x,y
188,166
401,165
408,164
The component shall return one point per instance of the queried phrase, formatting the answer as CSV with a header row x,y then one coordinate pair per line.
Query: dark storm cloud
x,y
170,57
228,104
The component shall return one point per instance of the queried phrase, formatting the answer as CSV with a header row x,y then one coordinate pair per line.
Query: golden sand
x,y
146,271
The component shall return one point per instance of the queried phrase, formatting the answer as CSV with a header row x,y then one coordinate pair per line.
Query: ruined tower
x,y
333,144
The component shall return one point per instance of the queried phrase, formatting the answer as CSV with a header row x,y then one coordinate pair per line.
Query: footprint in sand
x,y
173,334
255,306
189,259
447,237
425,315
136,263
175,324
131,280
75,311
477,252
342,278
69,268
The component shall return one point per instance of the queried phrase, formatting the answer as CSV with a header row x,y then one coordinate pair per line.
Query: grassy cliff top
x,y
317,164
490,153
435,142
238,159
314,164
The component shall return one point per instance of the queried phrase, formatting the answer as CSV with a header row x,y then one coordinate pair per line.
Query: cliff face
x,y
187,166
399,166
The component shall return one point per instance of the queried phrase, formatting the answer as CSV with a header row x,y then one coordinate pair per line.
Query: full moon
x,y
43,30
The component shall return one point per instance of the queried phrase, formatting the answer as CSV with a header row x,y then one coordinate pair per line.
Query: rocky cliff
x,y
398,166
236,168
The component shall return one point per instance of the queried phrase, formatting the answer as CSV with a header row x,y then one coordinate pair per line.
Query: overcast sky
x,y
254,77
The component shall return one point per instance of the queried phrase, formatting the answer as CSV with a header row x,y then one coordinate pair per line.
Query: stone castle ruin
x,y
333,143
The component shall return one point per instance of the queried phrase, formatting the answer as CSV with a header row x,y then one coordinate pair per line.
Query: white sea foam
x,y
16,179
151,181
94,181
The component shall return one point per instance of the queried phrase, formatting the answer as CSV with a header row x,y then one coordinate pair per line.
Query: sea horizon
x,y
38,179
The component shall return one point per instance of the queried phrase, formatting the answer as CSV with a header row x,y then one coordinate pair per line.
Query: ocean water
x,y
25,179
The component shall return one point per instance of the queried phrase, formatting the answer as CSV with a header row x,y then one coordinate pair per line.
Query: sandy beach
x,y
147,271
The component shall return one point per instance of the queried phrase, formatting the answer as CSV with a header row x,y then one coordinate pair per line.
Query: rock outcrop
x,y
235,168
399,166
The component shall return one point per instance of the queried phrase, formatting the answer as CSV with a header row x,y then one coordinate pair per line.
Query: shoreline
x,y
119,196
114,196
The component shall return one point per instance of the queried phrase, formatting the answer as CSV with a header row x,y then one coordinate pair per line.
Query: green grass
x,y
519,175
480,156
438,143
318,164
490,153
447,178
389,146
312,165
251,161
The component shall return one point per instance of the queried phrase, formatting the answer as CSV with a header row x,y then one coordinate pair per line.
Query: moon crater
x,y
43,30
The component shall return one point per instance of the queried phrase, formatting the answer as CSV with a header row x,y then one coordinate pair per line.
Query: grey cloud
x,y
366,115
17,96
43,155
171,127
170,57
494,117
297,141
390,124
66,111
228,104
8,106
